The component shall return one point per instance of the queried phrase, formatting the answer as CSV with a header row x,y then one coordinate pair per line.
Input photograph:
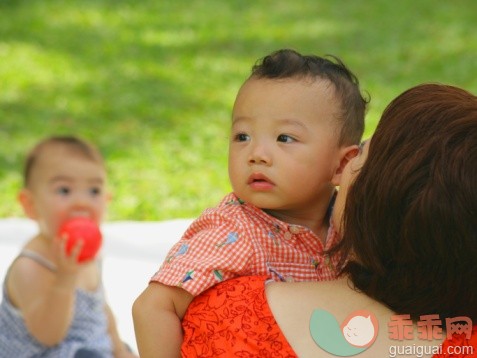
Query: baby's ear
x,y
345,155
25,197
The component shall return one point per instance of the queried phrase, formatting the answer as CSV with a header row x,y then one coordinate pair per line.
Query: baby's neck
x,y
318,225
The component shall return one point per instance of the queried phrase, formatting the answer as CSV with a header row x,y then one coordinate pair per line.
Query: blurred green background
x,y
152,83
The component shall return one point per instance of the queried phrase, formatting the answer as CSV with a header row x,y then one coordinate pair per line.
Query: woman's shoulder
x,y
313,315
313,293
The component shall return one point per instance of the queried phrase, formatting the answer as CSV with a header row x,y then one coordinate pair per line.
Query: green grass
x,y
152,83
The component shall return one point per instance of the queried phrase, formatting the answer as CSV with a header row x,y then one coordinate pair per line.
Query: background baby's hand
x,y
82,229
67,263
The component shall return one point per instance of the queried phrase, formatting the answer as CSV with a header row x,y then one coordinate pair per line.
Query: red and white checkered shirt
x,y
237,239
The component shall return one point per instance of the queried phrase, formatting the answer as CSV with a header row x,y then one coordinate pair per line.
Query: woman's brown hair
x,y
410,221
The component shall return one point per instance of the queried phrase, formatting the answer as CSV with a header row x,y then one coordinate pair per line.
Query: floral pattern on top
x,y
233,320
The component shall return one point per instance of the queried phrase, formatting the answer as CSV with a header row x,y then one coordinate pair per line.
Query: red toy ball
x,y
85,229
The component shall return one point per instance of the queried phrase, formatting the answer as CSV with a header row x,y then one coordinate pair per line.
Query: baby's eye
x,y
95,191
241,137
285,138
63,190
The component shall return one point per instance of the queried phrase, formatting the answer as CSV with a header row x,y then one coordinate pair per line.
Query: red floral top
x,y
233,319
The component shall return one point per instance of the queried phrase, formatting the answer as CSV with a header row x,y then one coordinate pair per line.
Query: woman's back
x,y
293,305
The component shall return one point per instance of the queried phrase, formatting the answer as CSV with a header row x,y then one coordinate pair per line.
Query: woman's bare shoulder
x,y
323,292
294,304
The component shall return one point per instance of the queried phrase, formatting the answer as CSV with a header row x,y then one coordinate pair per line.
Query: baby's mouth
x,y
260,182
259,178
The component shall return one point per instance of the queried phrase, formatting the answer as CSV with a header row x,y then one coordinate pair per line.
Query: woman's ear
x,y
345,155
25,197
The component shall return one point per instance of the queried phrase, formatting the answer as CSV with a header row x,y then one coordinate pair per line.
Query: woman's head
x,y
410,214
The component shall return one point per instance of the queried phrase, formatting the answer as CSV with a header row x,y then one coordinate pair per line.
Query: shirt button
x,y
294,229
288,235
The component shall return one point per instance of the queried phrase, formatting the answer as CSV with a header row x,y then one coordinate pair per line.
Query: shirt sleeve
x,y
213,249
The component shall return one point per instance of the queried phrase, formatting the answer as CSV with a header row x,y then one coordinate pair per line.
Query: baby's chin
x,y
260,200
46,231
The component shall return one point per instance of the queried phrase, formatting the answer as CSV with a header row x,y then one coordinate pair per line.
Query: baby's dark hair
x,y
75,144
288,63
